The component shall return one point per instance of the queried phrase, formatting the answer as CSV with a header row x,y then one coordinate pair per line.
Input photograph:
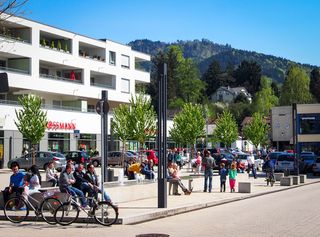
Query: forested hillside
x,y
203,52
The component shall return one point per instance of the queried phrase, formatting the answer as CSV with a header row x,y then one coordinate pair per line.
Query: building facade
x,y
68,71
298,125
228,94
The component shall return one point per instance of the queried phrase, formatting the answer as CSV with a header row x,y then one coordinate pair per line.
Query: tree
x,y
265,99
120,125
32,121
257,131
211,77
226,130
191,88
315,83
11,8
141,119
248,75
240,110
188,125
295,88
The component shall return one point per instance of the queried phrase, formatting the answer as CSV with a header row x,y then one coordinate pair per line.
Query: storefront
x,y
87,141
59,142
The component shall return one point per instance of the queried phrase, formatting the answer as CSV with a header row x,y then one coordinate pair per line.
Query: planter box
x,y
278,176
244,187
286,181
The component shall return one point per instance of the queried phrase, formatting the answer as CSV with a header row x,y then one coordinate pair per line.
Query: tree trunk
x,y
33,153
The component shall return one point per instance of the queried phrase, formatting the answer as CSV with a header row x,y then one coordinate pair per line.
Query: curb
x,y
180,210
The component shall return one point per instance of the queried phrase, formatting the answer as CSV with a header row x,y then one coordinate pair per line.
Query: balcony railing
x,y
11,37
9,69
48,106
102,85
54,77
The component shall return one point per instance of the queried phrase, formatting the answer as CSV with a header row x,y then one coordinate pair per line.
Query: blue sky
x,y
284,28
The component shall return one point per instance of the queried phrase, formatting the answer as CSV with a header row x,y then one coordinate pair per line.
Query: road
x,y
295,212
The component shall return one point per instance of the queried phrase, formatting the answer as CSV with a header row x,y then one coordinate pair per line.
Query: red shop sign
x,y
53,125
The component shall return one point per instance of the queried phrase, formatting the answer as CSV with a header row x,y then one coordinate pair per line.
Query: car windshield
x,y
285,158
58,155
307,157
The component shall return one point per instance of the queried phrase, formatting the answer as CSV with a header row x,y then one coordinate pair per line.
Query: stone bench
x,y
244,187
173,184
295,180
303,178
286,181
278,176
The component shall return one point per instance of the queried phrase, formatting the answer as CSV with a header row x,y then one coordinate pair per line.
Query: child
x,y
223,177
232,176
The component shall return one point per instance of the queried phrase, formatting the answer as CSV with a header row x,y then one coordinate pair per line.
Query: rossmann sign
x,y
54,125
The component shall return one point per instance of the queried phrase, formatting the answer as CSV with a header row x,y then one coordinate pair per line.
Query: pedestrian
x,y
208,164
251,165
223,177
232,176
198,163
51,174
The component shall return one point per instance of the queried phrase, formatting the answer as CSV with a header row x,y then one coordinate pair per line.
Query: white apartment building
x,y
69,71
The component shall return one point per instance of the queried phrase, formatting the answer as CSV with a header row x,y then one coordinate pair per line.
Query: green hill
x,y
203,52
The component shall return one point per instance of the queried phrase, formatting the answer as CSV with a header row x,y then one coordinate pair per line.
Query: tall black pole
x,y
295,136
104,135
162,136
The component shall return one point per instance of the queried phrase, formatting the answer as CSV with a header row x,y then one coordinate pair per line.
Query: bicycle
x,y
17,208
104,213
270,177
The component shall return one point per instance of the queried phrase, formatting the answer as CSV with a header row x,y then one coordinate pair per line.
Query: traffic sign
x,y
105,106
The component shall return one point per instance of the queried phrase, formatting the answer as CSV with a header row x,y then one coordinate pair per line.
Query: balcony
x,y
55,42
13,31
102,80
92,52
60,72
9,63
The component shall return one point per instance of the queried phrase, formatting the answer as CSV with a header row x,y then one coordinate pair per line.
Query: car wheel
x,y
95,163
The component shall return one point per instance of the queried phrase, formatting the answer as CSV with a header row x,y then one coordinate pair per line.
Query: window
x,y
125,61
310,124
112,58
125,85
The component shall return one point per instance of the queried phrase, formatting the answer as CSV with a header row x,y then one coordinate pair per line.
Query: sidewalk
x,y
138,202
137,211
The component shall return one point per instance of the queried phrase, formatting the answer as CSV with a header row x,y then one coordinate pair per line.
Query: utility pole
x,y
162,136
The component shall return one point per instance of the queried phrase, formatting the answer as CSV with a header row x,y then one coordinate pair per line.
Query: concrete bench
x,y
303,178
286,181
278,176
174,183
244,187
295,180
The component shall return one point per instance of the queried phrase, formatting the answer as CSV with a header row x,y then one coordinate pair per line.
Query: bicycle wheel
x,y
48,208
66,214
16,210
105,213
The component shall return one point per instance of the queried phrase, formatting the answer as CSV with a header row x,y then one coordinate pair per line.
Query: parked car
x,y
316,166
42,160
274,156
114,157
225,158
77,156
285,162
307,159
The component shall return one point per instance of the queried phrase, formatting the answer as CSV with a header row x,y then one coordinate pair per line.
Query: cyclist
x,y
269,168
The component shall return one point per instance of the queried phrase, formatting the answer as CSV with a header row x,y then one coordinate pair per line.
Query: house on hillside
x,y
228,94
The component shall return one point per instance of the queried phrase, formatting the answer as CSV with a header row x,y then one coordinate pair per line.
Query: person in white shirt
x,y
51,175
251,166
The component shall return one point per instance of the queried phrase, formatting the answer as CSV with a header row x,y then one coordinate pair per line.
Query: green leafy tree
x,y
248,75
226,130
265,99
188,125
257,131
120,125
31,120
295,89
142,119
211,78
240,110
315,83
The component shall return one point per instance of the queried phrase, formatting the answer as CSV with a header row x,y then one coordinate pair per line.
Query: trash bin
x,y
110,175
